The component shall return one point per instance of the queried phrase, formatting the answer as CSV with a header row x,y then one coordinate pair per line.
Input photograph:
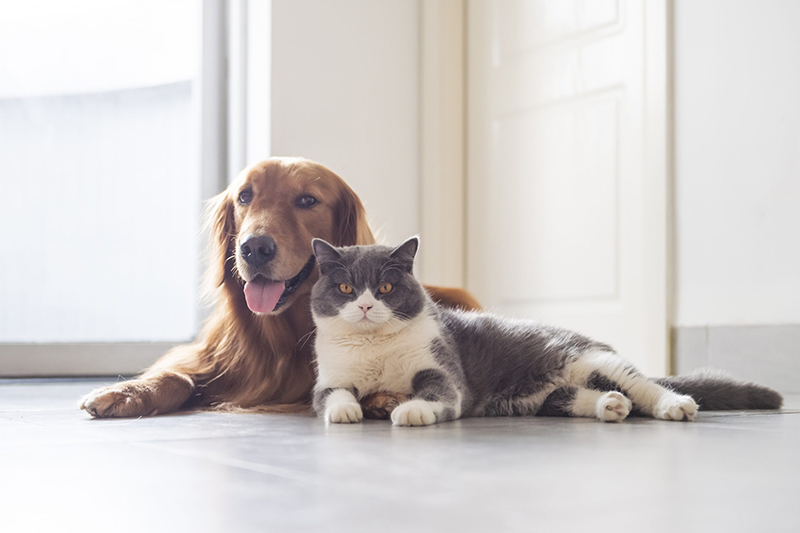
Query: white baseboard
x,y
765,354
79,359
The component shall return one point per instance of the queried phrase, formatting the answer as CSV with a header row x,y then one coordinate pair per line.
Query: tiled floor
x,y
61,471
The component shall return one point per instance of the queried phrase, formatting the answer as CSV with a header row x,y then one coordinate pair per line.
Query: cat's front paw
x,y
343,413
676,407
414,413
613,407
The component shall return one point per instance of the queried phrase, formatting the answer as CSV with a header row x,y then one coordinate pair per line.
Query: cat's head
x,y
367,288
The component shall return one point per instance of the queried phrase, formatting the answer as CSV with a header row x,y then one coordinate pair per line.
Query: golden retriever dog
x,y
255,350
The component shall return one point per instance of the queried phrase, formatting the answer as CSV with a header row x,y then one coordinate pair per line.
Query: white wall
x,y
737,166
345,93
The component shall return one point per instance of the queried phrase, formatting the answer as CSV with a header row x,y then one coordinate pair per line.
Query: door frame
x,y
443,139
658,170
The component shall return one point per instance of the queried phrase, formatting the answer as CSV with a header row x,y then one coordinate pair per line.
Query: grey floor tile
x,y
200,472
40,394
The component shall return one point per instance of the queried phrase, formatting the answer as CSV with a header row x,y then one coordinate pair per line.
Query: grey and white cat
x,y
377,330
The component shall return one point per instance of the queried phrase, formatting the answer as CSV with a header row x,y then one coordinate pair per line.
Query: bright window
x,y
99,173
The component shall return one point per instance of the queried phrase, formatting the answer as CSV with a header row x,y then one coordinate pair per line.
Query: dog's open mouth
x,y
267,296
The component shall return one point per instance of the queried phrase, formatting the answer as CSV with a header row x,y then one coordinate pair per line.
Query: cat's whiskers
x,y
403,316
305,338
394,327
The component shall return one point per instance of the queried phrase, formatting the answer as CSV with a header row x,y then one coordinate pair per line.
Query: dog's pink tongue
x,y
262,295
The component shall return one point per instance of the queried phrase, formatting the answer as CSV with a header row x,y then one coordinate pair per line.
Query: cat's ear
x,y
327,256
404,254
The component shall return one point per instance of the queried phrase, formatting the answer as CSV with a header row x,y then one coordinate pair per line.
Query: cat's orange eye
x,y
386,288
345,288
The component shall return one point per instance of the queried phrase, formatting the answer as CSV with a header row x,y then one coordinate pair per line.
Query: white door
x,y
559,228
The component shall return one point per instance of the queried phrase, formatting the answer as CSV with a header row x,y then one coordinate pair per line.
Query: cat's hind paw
x,y
414,413
613,407
676,407
343,413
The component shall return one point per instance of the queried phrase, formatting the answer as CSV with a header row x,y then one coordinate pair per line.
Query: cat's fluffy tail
x,y
716,391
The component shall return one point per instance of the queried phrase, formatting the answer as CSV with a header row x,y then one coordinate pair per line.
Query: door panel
x,y
556,225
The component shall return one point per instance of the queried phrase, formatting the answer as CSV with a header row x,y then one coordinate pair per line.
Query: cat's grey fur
x,y
454,364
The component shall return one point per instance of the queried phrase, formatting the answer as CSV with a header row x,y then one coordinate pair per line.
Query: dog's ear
x,y
351,226
327,256
221,230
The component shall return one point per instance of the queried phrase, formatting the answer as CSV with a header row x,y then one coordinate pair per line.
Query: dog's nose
x,y
258,250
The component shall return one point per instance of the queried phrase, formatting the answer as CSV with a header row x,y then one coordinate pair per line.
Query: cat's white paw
x,y
343,413
676,407
613,407
414,413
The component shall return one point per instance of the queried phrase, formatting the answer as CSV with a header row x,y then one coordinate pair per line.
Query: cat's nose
x,y
365,308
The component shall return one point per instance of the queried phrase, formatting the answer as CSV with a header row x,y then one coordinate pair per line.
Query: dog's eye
x,y
386,288
245,197
345,288
306,201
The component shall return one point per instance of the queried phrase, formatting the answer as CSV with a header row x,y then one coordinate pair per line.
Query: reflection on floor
x,y
62,471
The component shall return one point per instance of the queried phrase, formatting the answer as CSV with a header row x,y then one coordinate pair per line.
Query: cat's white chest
x,y
375,362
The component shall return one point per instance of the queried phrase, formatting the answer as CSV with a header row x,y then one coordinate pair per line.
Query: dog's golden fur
x,y
243,359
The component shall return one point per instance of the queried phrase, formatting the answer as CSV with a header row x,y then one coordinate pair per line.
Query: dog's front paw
x,y
613,407
343,413
414,413
117,401
676,407
379,405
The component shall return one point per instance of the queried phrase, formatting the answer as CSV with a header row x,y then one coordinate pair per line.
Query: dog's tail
x,y
716,391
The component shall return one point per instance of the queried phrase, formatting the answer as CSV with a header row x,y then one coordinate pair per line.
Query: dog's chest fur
x,y
375,362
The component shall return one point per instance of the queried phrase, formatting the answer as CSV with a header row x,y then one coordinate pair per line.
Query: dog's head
x,y
263,223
